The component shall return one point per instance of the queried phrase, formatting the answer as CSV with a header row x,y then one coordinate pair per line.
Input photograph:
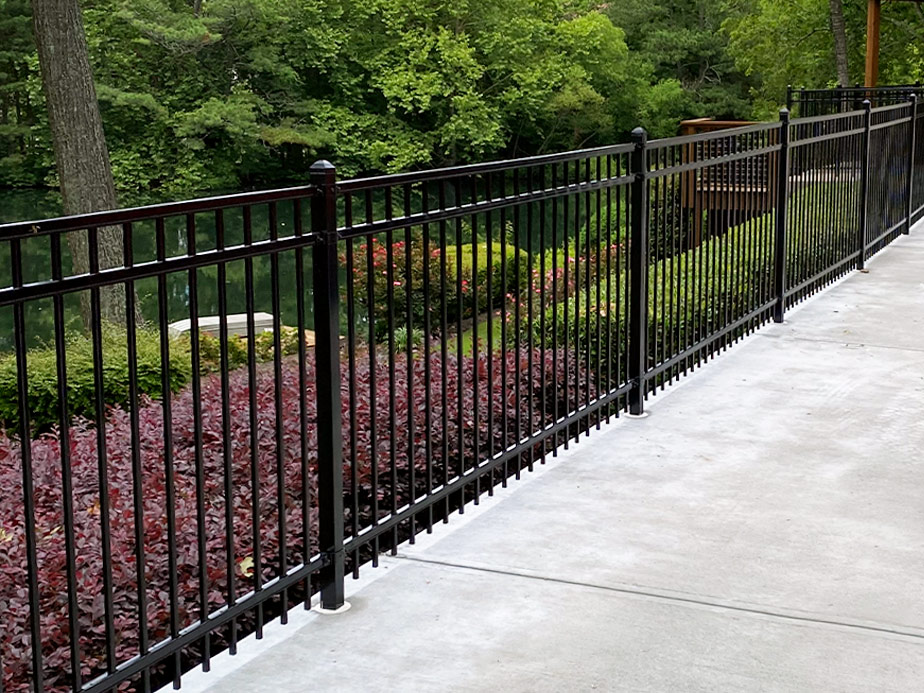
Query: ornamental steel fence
x,y
173,478
813,102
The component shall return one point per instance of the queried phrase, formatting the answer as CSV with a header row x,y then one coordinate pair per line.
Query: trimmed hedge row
x,y
740,262
738,279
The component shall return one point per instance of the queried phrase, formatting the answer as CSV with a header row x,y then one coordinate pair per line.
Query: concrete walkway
x,y
762,530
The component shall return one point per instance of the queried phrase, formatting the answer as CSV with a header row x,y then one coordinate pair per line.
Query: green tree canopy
x,y
782,42
224,94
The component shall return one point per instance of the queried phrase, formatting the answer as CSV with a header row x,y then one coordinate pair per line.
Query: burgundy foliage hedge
x,y
507,400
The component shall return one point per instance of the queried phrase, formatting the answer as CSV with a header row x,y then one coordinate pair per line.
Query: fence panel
x,y
917,195
710,250
824,206
179,484
890,141
167,483
807,103
486,325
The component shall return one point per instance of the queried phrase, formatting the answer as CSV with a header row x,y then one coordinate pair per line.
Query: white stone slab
x,y
237,324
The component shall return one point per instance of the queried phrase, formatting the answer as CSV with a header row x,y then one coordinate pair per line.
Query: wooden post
x,y
873,13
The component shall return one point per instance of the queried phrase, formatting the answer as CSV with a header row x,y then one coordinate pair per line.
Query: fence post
x,y
782,206
864,184
914,130
789,96
638,275
323,177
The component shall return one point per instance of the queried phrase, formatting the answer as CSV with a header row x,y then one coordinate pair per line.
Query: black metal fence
x,y
813,102
167,490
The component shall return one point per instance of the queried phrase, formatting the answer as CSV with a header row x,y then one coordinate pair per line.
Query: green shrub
x,y
738,265
81,388
737,279
401,338
507,276
263,344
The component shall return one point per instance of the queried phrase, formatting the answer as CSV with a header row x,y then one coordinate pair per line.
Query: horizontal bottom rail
x,y
881,236
821,275
190,634
705,343
460,482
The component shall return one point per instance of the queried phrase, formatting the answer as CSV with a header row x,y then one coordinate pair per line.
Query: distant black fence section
x,y
212,411
806,103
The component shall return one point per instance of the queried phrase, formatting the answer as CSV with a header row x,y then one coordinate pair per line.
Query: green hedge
x,y
81,387
515,278
738,278
818,228
263,344
507,274
43,379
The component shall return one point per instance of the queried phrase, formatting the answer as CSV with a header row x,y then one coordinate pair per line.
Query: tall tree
x,y
18,156
681,42
839,29
82,159
779,43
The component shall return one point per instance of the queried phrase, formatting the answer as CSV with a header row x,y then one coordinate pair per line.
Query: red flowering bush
x,y
507,400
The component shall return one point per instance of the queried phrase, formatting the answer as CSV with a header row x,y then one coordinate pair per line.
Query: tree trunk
x,y
81,155
839,29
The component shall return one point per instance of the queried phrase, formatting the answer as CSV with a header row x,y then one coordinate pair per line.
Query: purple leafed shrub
x,y
507,400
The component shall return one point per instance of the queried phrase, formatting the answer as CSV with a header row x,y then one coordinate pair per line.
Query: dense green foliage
x,y
680,46
251,92
225,94
81,402
264,348
779,43
414,273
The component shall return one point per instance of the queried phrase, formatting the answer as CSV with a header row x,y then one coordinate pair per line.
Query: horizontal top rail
x,y
707,136
436,216
78,222
841,134
891,107
47,288
361,184
891,123
810,120
860,89
713,161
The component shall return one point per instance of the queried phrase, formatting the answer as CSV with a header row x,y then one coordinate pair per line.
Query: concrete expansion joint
x,y
780,614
